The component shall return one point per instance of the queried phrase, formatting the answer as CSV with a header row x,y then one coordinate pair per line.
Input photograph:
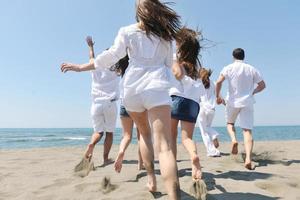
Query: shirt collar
x,y
239,61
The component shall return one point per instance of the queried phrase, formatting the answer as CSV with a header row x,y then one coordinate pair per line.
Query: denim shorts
x,y
184,109
123,112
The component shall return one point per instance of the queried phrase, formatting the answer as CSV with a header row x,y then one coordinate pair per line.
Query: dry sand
x,y
48,173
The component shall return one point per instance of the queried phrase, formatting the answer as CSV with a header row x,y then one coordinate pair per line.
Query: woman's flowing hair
x,y
158,19
188,50
121,66
204,76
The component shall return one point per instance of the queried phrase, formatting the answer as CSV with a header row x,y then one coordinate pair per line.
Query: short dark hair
x,y
238,54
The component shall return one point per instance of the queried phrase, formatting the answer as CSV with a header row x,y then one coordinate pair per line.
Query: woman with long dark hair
x,y
146,83
186,94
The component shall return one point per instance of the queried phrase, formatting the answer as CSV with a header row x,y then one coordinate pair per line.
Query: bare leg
x,y
96,137
127,125
231,132
146,146
187,129
160,118
140,160
248,140
174,132
107,146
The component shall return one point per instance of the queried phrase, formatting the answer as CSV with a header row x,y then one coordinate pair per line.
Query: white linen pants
x,y
207,132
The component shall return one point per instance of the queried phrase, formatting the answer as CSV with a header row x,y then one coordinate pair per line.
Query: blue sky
x,y
36,36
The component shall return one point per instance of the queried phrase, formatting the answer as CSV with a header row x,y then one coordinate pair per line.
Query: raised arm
x,y
260,87
105,60
218,89
82,67
90,43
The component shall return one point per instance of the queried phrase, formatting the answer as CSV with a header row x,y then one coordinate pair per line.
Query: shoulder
x,y
227,68
251,68
129,28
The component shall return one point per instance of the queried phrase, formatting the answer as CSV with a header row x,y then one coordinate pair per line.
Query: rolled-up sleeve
x,y
257,76
224,72
111,56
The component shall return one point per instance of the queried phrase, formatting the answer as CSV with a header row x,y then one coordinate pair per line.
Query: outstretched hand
x,y
70,67
89,41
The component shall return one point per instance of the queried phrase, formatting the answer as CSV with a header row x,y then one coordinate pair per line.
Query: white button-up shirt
x,y
241,80
105,85
149,58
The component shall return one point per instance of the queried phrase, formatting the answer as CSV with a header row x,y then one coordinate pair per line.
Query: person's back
x,y
146,83
149,56
145,50
208,99
105,85
241,78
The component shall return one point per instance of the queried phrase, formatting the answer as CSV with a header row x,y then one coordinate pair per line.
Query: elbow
x,y
179,76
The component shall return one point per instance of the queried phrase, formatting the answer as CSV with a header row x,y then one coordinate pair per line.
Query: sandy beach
x,y
47,173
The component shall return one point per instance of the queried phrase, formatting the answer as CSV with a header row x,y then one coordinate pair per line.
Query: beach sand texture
x,y
48,173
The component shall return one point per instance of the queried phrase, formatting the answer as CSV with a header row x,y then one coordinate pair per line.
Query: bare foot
x,y
248,165
216,142
118,162
141,166
196,168
234,148
151,183
108,162
89,151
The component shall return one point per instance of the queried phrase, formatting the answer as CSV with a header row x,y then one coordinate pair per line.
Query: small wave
x,y
43,139
74,138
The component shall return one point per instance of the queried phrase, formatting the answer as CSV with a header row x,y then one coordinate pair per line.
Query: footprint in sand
x,y
84,167
269,187
106,186
199,190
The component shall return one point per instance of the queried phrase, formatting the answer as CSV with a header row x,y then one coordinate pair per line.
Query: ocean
x,y
61,137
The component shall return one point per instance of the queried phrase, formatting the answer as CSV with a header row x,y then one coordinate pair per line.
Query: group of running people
x,y
160,85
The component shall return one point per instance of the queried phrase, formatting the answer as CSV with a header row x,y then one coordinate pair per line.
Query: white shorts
x,y
245,115
147,100
104,116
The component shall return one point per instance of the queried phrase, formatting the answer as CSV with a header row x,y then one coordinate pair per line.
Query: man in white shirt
x,y
241,78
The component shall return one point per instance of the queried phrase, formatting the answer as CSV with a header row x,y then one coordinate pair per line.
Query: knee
x,y
109,135
127,137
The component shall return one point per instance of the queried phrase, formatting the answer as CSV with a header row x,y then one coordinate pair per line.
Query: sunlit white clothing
x,y
187,88
241,78
206,116
245,115
105,92
104,116
149,59
207,132
208,99
105,85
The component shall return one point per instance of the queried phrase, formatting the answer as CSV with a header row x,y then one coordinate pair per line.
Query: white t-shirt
x,y
149,57
105,85
241,78
208,99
